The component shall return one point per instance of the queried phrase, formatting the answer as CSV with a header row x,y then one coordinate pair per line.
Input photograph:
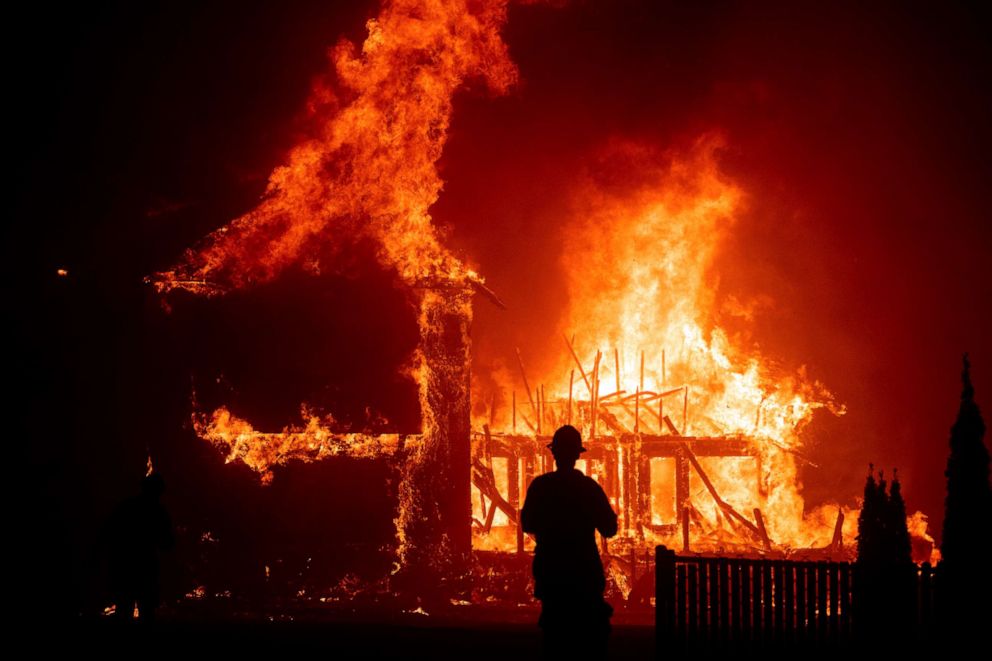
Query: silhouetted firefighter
x,y
966,543
884,583
563,510
137,530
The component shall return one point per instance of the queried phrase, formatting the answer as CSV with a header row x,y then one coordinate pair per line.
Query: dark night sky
x,y
860,134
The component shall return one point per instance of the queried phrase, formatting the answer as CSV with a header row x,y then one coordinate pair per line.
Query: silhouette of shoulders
x,y
564,479
566,497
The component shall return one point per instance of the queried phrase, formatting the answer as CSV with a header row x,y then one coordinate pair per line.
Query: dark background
x,y
860,135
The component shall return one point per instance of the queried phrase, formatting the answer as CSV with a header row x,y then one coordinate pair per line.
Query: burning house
x,y
693,434
263,249
696,441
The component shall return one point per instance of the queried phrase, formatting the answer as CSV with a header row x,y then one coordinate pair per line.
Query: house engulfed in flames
x,y
695,442
463,480
662,482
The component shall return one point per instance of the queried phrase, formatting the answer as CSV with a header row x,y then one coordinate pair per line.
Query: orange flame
x,y
640,255
261,451
369,170
639,259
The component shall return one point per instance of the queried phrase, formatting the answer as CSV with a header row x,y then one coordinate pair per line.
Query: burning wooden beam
x,y
539,414
514,405
485,481
685,529
637,414
634,414
595,393
616,366
761,529
530,425
488,293
544,406
578,362
487,445
490,516
523,374
571,380
722,504
837,545
613,423
436,486
685,413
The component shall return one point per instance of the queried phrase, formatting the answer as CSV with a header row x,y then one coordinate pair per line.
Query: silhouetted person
x,y
563,510
137,531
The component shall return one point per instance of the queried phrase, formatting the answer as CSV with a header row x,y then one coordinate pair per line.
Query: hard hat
x,y
567,439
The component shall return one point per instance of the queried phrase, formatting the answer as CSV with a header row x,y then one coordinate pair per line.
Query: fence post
x,y
736,569
802,613
821,601
664,598
724,573
747,606
834,578
790,602
692,630
757,599
767,612
778,578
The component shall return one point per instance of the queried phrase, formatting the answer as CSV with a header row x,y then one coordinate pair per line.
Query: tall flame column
x,y
435,502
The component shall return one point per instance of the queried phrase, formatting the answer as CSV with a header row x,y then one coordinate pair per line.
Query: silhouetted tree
x,y
881,520
869,522
965,573
884,566
900,548
968,506
900,572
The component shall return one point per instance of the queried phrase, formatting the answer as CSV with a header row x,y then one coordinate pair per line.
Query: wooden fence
x,y
722,602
